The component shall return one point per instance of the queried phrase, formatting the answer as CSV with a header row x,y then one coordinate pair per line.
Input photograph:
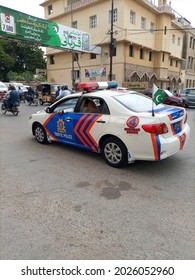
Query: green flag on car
x,y
158,95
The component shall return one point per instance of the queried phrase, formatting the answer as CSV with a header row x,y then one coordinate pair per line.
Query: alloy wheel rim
x,y
113,153
39,134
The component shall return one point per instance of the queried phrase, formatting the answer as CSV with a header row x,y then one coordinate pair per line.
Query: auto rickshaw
x,y
46,92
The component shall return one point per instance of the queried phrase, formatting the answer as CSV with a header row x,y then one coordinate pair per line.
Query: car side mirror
x,y
48,110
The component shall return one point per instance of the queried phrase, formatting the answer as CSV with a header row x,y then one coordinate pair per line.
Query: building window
x,y
173,39
152,27
132,17
52,59
93,22
176,63
131,51
92,56
188,62
171,62
74,24
192,62
115,14
163,57
141,53
179,41
191,39
50,10
76,74
143,22
150,55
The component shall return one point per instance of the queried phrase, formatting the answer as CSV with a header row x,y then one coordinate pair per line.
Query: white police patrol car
x,y
122,125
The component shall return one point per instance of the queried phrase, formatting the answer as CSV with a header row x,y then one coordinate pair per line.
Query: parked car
x,y
188,94
3,90
119,125
171,99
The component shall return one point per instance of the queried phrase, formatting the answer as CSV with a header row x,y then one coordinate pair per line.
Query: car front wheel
x,y
114,152
40,134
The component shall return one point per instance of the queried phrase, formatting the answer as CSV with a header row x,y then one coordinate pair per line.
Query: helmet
x,y
12,87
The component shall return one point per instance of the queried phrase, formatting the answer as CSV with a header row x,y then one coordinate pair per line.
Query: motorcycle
x,y
14,109
32,100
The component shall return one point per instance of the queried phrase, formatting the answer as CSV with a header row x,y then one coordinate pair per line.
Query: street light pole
x,y
111,41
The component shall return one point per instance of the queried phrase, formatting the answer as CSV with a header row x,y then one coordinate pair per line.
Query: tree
x,y
19,57
6,59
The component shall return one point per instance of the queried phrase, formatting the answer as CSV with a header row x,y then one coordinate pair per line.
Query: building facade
x,y
147,43
188,65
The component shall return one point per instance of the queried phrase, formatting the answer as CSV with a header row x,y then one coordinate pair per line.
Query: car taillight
x,y
160,128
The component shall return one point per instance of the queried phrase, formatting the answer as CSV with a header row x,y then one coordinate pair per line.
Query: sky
x,y
185,8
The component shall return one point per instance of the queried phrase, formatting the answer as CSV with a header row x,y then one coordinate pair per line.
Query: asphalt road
x,y
58,202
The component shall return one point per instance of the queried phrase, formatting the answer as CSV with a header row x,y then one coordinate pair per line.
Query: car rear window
x,y
136,102
188,91
192,91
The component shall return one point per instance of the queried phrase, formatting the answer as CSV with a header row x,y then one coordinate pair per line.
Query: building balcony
x,y
78,5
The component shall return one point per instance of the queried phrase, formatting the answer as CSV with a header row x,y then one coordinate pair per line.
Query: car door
x,y
90,126
191,96
60,123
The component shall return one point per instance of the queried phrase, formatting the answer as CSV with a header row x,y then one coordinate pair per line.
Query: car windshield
x,y
168,92
136,102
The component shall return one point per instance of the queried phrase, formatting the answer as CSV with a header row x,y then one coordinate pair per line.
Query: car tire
x,y
114,152
40,134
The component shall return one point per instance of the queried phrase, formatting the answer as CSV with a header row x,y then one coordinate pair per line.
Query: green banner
x,y
17,25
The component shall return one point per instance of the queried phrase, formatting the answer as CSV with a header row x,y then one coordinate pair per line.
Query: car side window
x,y
66,105
94,105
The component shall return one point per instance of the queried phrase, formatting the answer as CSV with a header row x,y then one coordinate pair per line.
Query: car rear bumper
x,y
161,147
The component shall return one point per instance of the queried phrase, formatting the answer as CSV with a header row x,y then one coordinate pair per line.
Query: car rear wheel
x,y
114,152
40,134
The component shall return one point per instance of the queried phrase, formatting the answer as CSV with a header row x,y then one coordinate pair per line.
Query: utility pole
x,y
111,41
73,77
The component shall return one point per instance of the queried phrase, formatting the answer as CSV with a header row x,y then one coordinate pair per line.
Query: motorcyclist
x,y
12,98
31,95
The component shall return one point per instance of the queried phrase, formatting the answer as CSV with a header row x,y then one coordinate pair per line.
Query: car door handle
x,y
101,121
68,119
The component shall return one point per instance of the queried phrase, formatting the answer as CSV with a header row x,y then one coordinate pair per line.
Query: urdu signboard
x,y
17,25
